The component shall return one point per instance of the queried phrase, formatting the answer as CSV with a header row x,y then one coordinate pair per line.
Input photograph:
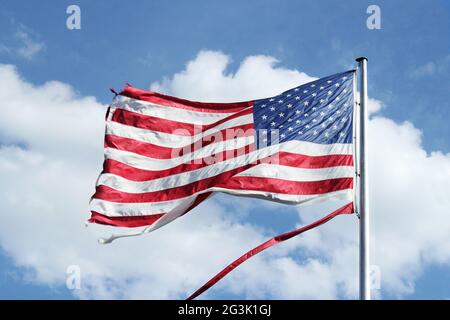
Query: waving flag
x,y
165,155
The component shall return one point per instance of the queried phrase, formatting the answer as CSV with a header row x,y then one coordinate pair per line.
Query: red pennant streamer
x,y
346,209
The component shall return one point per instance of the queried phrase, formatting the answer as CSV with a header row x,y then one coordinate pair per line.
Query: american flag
x,y
165,155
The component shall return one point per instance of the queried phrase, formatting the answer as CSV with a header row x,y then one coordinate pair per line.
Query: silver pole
x,y
364,236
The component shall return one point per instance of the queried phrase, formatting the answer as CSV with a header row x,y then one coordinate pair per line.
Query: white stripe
x,y
346,194
298,147
169,113
119,183
154,137
177,138
297,174
113,209
165,219
315,149
262,170
146,163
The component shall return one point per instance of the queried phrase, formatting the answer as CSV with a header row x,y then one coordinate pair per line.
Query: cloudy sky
x,y
55,89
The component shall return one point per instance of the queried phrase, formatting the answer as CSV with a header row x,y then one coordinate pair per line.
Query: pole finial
x,y
359,59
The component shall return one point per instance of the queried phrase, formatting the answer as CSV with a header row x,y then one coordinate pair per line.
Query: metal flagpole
x,y
364,236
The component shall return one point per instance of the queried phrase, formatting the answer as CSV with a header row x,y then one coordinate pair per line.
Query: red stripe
x,y
142,121
159,152
314,162
227,180
347,209
110,194
135,174
170,101
124,221
285,158
138,120
139,221
286,187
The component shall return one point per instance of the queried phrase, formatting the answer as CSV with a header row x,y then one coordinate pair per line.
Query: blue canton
x,y
320,111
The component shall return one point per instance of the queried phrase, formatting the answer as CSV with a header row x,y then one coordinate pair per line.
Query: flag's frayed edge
x,y
346,209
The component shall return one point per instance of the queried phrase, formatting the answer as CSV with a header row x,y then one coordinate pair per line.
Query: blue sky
x,y
142,42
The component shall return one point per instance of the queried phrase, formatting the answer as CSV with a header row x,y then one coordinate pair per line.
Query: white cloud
x,y
439,66
205,78
45,187
427,69
28,47
23,43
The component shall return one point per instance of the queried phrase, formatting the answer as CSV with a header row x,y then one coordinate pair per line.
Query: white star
x,y
313,85
344,78
289,120
306,114
281,126
329,81
315,132
272,109
289,105
280,101
323,125
306,103
296,89
297,98
281,114
314,94
314,120
305,91
263,105
337,84
288,95
272,99
330,106
273,124
343,119
337,98
335,127
322,101
297,111
307,126
342,134
331,118
321,88
298,121
283,135
330,93
300,132
314,109
327,134
344,91
264,117
338,112
290,128
322,113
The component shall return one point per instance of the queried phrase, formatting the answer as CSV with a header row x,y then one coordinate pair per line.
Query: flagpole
x,y
364,236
